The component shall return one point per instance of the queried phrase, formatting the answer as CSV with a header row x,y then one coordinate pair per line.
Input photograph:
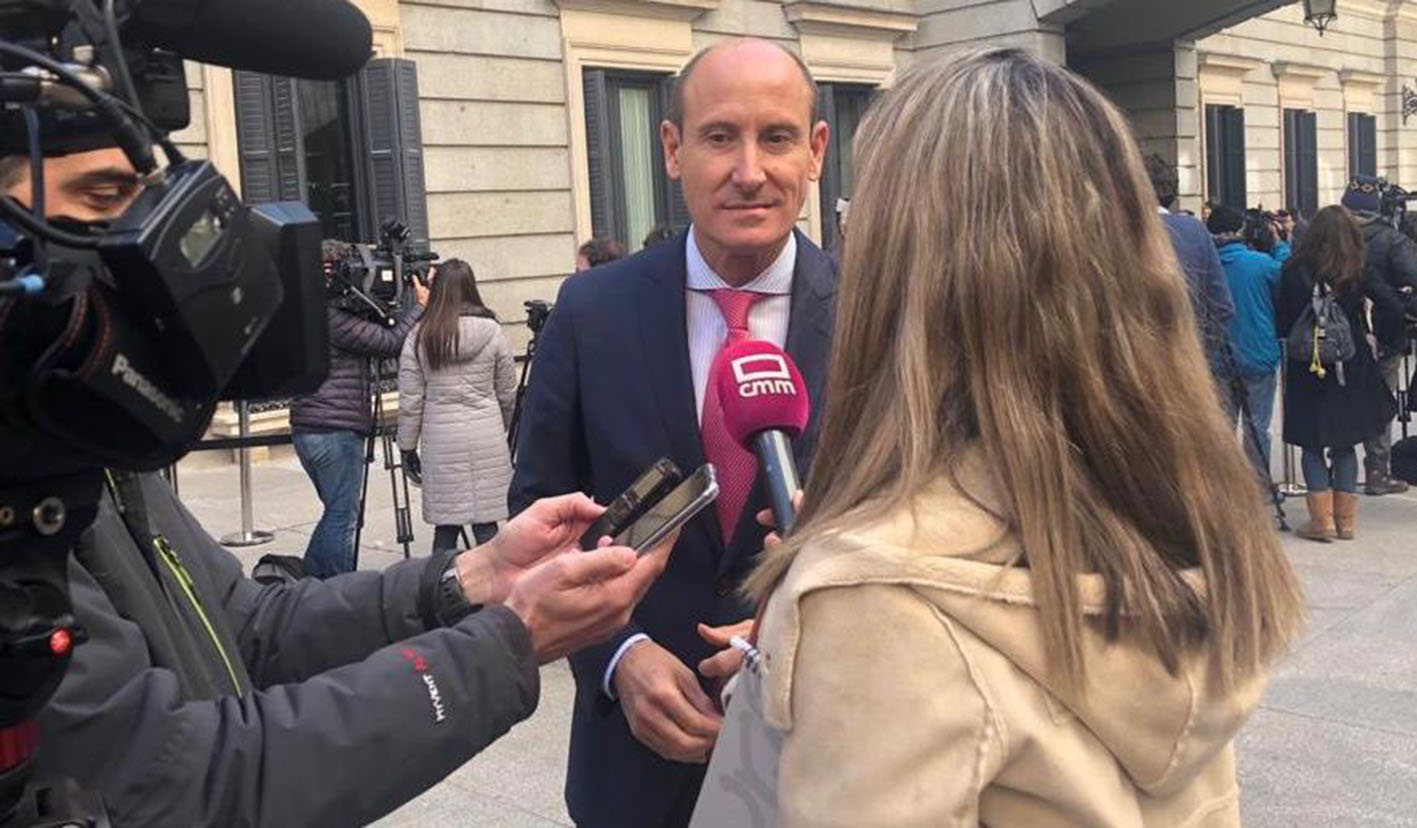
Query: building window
x,y
1362,144
327,132
1225,155
351,150
1301,161
842,106
630,193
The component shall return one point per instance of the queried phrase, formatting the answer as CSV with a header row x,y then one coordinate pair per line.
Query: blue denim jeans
x,y
335,462
1259,392
1319,477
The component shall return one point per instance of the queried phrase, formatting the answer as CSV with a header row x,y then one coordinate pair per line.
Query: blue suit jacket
x,y
610,392
1205,276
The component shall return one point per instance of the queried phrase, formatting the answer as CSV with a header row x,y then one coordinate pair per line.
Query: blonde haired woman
x,y
1033,583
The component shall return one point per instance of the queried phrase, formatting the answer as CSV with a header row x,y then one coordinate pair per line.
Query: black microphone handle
x,y
779,470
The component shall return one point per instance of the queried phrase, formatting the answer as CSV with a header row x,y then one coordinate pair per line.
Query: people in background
x,y
1390,276
1328,410
1031,592
597,252
457,388
660,233
1252,276
329,426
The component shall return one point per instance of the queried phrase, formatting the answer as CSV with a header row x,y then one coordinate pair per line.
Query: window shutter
x,y
1308,159
1362,144
678,214
831,184
1214,155
1234,138
268,138
394,136
598,145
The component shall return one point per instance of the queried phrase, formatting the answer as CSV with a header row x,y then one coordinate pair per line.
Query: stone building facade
x,y
535,120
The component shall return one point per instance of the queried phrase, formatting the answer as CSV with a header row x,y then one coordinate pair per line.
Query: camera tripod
x,y
527,357
384,433
1240,402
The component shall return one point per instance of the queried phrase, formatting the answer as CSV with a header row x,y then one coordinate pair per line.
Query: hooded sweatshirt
x,y
906,666
460,414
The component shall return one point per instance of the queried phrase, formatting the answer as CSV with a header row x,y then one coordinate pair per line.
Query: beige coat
x,y
905,664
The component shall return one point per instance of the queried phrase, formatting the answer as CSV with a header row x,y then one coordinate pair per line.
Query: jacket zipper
x,y
184,580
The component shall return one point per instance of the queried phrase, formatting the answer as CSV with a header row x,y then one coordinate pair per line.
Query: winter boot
x,y
1320,526
1345,514
1377,479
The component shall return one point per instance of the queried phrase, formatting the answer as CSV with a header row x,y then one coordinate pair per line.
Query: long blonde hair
x,y
1008,285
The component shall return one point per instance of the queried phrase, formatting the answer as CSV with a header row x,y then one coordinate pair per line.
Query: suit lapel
x,y
664,335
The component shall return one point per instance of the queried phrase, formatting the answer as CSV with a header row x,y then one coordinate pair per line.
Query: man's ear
x,y
821,133
670,139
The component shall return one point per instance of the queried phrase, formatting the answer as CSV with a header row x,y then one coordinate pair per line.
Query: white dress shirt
x,y
706,329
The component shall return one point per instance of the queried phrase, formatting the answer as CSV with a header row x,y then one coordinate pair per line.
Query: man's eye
x,y
718,138
108,198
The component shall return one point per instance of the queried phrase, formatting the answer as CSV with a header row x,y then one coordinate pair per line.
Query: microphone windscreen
x,y
760,389
316,39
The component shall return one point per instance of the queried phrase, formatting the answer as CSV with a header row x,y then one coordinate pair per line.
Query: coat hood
x,y
957,553
475,333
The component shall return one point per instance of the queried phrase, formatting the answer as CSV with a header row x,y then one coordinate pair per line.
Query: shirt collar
x,y
775,280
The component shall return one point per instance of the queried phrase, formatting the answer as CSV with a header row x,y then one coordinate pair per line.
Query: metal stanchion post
x,y
247,536
1291,487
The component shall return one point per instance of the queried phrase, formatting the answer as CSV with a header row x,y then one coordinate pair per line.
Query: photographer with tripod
x,y
1390,277
146,681
329,427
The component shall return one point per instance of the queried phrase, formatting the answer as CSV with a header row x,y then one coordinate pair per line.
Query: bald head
x,y
741,53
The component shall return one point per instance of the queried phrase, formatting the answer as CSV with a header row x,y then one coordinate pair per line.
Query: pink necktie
x,y
735,465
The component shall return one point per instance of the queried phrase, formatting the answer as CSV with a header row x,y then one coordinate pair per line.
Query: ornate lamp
x,y
1320,13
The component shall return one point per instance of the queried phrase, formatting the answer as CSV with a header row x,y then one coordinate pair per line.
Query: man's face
x,y
86,186
747,149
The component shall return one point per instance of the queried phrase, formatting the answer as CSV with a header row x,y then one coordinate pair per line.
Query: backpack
x,y
1322,335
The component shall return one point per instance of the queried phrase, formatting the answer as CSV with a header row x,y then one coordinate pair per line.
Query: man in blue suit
x,y
622,378
1200,264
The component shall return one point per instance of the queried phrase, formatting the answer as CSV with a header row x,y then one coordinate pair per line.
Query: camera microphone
x,y
765,407
315,39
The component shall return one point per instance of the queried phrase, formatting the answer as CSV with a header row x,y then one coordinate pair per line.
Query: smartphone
x,y
675,510
651,486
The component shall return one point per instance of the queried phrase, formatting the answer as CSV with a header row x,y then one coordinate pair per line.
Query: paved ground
x,y
1334,744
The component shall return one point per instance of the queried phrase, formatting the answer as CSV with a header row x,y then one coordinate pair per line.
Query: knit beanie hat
x,y
1362,194
1225,220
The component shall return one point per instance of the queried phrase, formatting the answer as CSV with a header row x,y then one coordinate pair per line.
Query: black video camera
x,y
537,312
120,337
373,278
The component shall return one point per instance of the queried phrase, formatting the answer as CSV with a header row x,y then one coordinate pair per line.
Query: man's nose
x,y
748,173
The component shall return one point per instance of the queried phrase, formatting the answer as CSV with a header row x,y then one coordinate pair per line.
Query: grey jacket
x,y
461,414
341,403
203,698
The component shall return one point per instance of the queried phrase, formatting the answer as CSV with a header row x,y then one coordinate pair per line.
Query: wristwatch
x,y
450,604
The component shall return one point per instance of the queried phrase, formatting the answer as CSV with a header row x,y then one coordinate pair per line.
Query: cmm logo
x,y
761,374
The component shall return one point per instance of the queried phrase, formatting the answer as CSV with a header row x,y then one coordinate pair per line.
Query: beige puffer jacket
x,y
905,663
460,415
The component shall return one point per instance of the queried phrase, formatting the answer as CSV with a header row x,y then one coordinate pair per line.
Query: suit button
x,y
724,587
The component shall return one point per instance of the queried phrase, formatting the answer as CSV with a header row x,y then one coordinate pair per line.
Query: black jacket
x,y
341,403
203,698
1320,412
1389,266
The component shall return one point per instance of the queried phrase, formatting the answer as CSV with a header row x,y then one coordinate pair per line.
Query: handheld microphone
x,y
765,407
278,37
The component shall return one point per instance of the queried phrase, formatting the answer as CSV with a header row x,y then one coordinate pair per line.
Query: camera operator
x,y
1389,271
200,697
329,427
